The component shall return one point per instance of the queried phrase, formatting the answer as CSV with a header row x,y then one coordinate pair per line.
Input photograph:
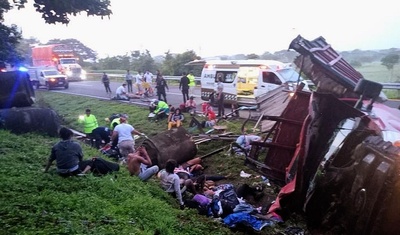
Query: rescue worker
x,y
101,134
161,110
89,122
192,83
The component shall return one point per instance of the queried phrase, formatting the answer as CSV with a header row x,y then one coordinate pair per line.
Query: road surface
x,y
96,89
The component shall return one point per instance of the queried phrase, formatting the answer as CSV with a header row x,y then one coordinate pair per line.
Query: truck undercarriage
x,y
333,150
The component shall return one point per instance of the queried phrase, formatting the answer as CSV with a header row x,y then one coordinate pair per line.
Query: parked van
x,y
48,77
245,80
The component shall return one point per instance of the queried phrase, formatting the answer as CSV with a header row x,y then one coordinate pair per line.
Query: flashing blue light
x,y
22,69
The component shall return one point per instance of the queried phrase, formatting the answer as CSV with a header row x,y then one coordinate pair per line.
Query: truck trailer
x,y
62,57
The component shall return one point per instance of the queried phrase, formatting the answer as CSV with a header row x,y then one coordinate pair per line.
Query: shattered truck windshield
x,y
289,74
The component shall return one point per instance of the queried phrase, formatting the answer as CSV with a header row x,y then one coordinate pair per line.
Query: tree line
x,y
17,50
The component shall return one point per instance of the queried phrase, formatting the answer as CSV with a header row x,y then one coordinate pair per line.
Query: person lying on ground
x,y
244,141
67,154
211,121
170,181
139,164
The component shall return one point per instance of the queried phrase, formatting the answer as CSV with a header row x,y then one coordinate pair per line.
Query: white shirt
x,y
129,77
220,86
120,90
124,132
139,79
148,77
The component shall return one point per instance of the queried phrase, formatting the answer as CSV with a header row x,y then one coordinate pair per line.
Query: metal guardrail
x,y
392,86
122,76
386,85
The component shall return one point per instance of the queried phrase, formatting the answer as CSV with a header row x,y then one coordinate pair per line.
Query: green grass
x,y
379,73
33,202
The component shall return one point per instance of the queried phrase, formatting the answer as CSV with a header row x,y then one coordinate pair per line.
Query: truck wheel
x,y
37,85
48,86
66,86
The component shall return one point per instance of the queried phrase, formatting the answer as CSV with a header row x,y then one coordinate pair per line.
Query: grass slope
x,y
33,202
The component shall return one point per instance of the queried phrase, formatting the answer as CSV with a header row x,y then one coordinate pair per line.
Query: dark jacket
x,y
67,154
184,83
105,78
161,85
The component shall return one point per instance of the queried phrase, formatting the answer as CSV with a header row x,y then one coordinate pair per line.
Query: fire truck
x,y
62,57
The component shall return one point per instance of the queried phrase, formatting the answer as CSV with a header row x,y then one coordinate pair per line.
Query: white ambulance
x,y
245,79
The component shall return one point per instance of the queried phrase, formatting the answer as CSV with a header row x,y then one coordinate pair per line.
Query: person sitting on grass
x,y
67,154
190,106
170,181
175,119
139,164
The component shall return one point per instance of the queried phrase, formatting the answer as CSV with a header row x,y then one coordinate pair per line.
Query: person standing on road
x,y
220,96
128,79
192,83
184,87
106,82
148,79
161,84
139,80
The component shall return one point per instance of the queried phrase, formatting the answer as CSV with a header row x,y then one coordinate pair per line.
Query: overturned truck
x,y
334,151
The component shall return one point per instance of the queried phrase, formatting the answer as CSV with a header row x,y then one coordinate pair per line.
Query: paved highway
x,y
96,89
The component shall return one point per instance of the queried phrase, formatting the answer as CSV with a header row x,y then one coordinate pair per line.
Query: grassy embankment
x,y
34,202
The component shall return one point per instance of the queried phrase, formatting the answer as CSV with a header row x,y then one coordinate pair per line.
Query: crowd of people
x,y
176,179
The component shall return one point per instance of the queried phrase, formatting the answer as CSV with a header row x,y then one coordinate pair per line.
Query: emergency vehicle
x,y
245,80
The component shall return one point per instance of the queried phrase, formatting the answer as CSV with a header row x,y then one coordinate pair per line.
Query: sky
x,y
221,27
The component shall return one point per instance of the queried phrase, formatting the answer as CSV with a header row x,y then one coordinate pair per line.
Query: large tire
x,y
31,119
48,87
37,85
66,85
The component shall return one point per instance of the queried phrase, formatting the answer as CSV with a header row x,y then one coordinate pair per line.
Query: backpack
x,y
111,152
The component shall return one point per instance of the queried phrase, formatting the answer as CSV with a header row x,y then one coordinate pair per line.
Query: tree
x,y
8,45
61,11
24,48
115,62
252,56
390,61
181,60
82,51
52,12
168,66
145,62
